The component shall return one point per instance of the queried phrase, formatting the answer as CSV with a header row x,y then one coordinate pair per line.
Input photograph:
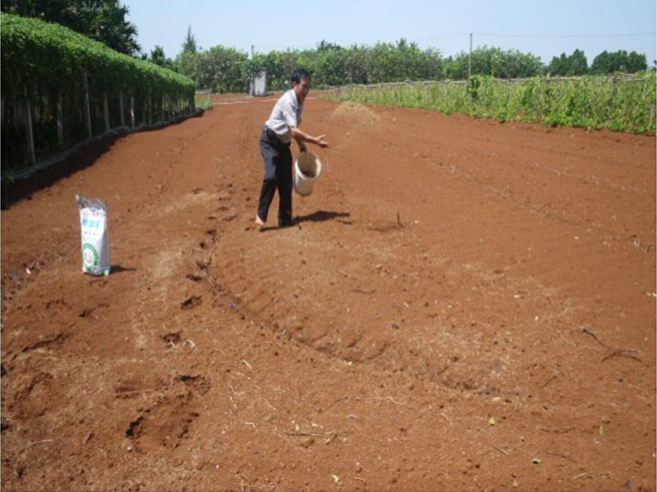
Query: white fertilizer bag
x,y
95,245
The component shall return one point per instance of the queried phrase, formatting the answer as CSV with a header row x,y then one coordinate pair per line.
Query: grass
x,y
203,101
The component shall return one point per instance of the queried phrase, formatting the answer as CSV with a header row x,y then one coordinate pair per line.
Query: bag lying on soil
x,y
95,245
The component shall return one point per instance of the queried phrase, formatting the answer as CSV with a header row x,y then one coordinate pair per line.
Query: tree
x,y
102,20
619,61
566,66
494,62
159,58
326,46
218,68
190,46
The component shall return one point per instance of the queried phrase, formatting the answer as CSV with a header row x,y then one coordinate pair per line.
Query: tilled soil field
x,y
461,305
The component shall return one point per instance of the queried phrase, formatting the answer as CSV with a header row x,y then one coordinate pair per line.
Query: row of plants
x,y
65,79
624,104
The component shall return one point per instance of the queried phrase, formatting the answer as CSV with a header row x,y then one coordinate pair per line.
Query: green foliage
x,y
220,69
204,101
280,65
37,55
566,66
329,65
102,20
402,61
47,64
619,61
493,62
333,65
7,177
159,58
189,46
592,102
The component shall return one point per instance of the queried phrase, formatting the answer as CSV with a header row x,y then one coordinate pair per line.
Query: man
x,y
277,134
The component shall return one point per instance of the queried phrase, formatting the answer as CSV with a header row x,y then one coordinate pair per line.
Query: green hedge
x,y
37,54
54,71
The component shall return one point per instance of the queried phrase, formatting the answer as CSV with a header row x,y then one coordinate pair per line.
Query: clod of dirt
x,y
307,441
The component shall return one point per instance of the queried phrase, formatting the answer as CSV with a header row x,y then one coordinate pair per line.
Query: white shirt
x,y
285,115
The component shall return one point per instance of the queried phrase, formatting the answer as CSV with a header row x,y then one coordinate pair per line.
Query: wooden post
x,y
29,131
87,109
106,112
162,109
470,59
150,108
121,108
132,111
60,120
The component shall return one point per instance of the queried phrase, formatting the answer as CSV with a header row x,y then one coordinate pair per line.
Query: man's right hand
x,y
321,142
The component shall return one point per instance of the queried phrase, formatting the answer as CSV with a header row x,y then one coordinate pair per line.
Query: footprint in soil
x,y
164,425
197,277
56,303
33,395
89,312
172,339
197,383
190,303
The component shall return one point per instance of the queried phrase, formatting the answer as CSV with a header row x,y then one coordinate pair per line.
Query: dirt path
x,y
463,305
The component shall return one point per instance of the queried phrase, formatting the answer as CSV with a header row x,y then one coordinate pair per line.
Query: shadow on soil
x,y
120,269
321,216
73,161
82,158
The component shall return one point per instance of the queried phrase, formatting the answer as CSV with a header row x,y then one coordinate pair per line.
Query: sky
x,y
546,28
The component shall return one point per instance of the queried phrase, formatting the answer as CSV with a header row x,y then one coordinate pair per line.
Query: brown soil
x,y
462,305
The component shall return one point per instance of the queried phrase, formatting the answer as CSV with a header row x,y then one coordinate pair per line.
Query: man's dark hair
x,y
300,74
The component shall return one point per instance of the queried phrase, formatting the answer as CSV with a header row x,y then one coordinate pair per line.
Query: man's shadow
x,y
321,216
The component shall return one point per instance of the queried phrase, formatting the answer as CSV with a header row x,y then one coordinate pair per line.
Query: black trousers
x,y
278,175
